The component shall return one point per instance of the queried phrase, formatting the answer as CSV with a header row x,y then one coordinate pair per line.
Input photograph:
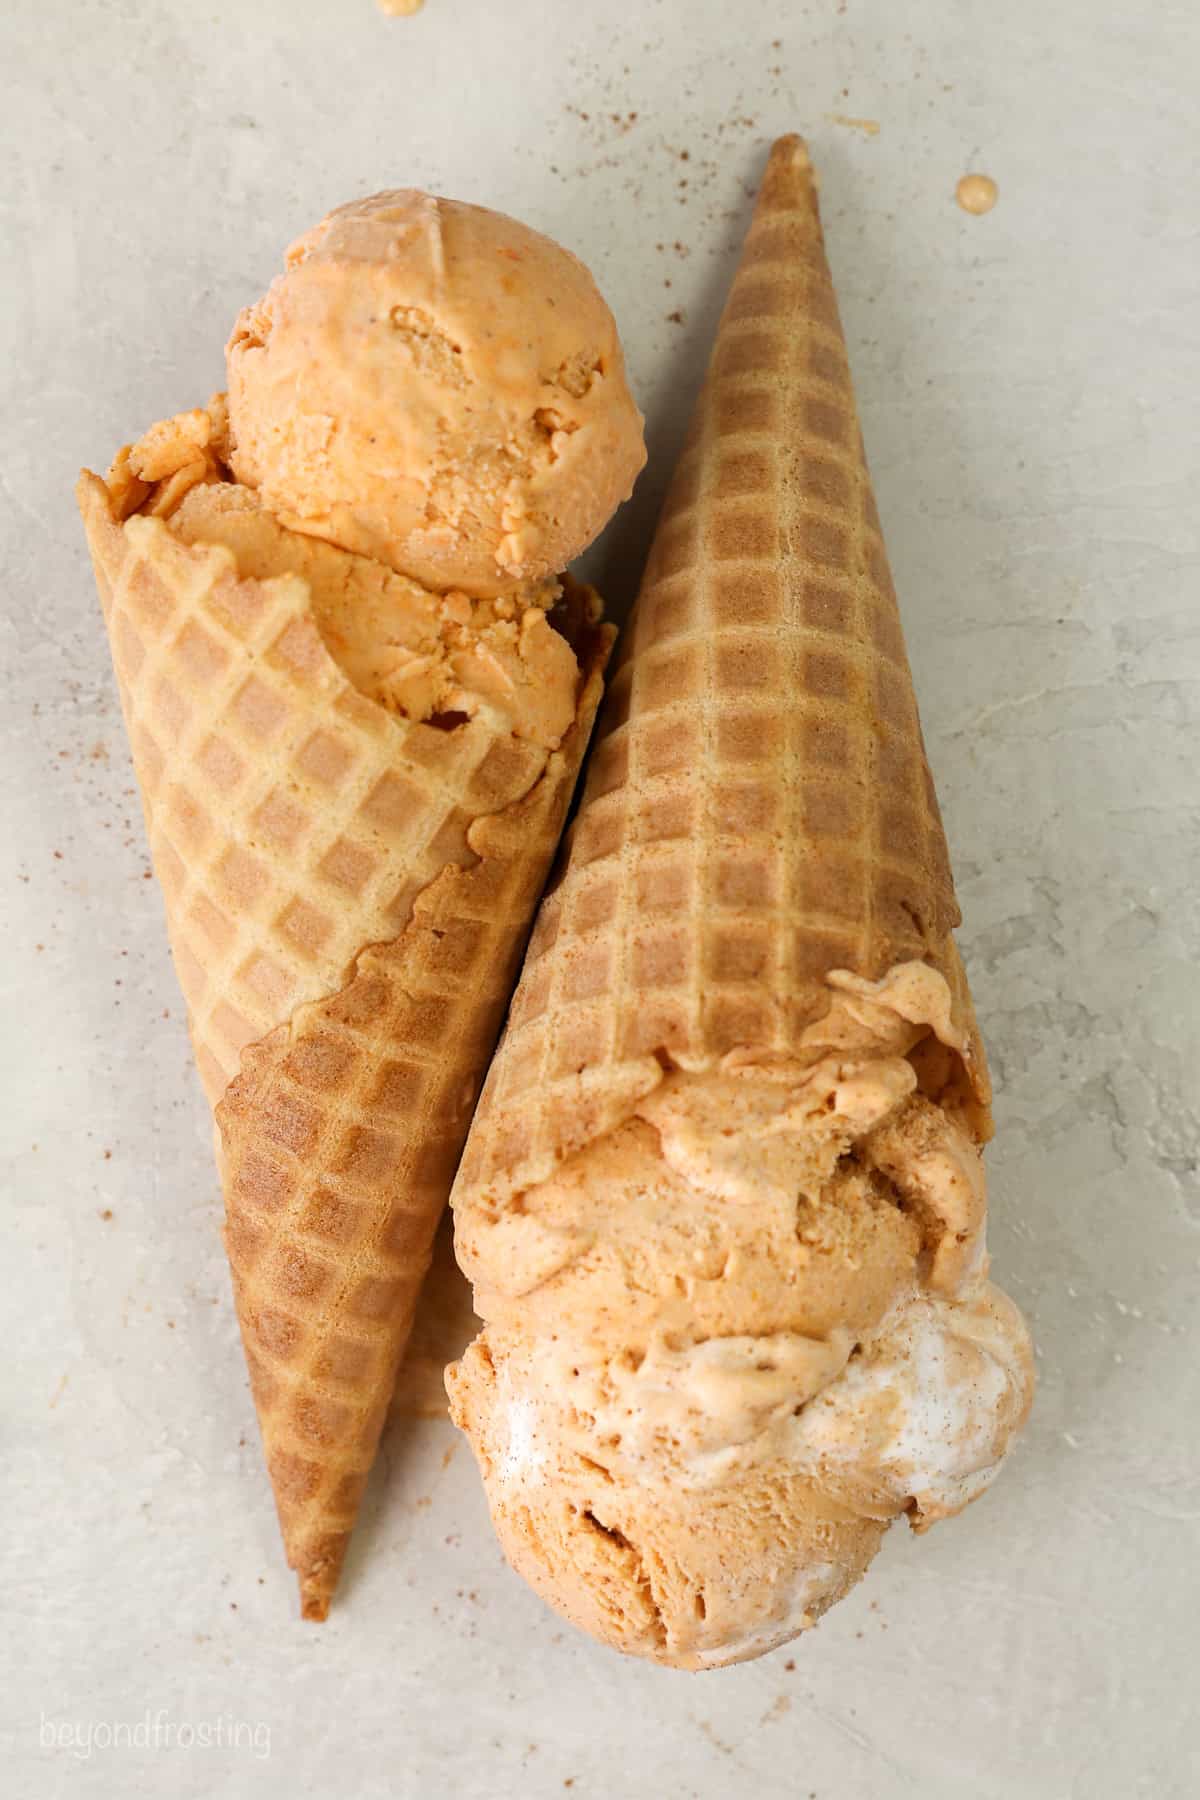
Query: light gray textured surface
x,y
1028,385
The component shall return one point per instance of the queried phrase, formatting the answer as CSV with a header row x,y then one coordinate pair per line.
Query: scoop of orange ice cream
x,y
731,1338
427,655
436,386
701,1505
423,654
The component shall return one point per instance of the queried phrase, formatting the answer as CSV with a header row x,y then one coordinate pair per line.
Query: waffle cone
x,y
348,894
759,811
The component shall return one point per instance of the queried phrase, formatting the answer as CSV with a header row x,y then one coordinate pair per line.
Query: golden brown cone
x,y
348,894
758,809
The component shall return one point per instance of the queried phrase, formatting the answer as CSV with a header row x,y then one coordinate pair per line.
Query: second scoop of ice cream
x,y
436,657
439,387
734,1336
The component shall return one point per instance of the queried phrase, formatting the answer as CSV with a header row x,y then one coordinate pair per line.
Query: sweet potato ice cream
x,y
436,386
758,1301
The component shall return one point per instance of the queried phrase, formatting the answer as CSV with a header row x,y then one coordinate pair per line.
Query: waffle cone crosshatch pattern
x,y
758,808
348,895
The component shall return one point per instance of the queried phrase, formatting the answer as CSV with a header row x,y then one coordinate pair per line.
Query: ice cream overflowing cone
x,y
354,783
722,1202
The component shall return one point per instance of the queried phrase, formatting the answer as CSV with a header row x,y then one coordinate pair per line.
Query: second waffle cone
x,y
758,810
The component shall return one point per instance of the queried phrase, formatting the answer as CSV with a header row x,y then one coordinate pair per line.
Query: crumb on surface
x,y
868,127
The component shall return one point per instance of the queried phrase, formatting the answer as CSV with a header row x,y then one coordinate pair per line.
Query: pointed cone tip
x,y
792,150
789,177
314,1600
